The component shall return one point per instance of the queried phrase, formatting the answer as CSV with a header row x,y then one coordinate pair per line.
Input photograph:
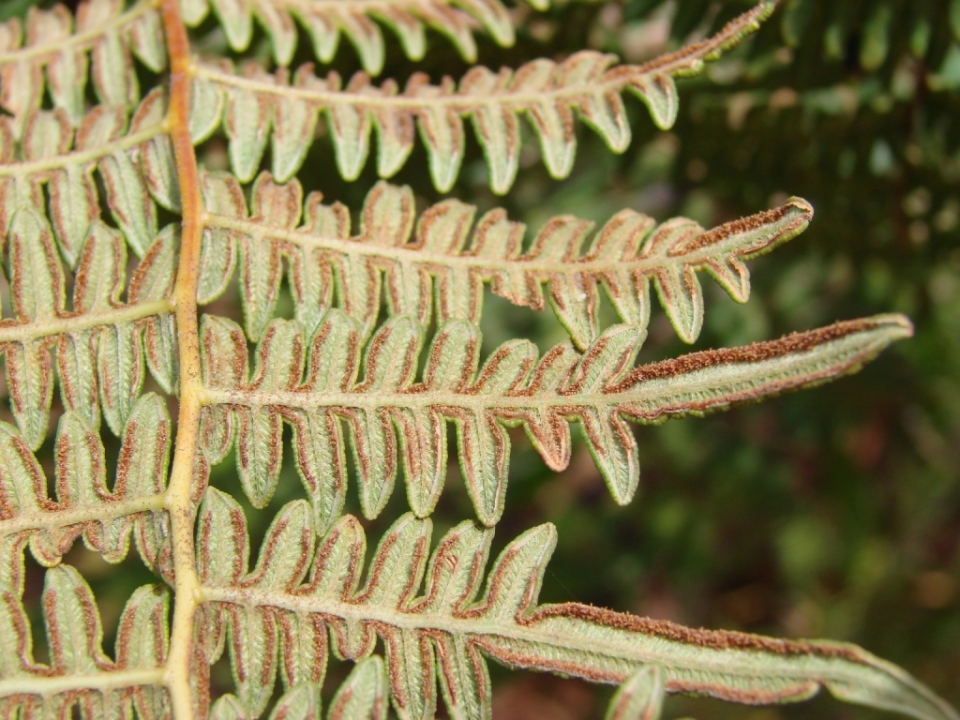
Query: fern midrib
x,y
74,324
684,60
462,103
490,267
78,39
372,614
82,157
179,501
65,517
46,686
670,655
421,400
653,393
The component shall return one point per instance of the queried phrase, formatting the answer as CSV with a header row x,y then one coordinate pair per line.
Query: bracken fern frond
x,y
281,612
444,258
550,94
122,250
312,384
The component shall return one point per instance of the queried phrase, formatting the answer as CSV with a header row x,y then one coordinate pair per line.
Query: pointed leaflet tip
x,y
639,698
732,666
364,694
223,550
284,554
659,94
446,627
73,622
713,379
879,684
518,574
143,633
895,325
227,707
302,702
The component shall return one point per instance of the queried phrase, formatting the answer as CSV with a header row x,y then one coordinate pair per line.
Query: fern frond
x,y
311,388
84,504
134,160
626,257
54,238
54,52
326,20
96,290
100,341
252,102
80,676
274,617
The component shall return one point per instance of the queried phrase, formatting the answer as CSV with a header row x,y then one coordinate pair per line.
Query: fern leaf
x,y
29,377
549,93
135,164
80,675
362,696
327,20
227,707
99,339
73,623
639,698
452,627
142,642
444,258
52,52
112,240
600,388
301,702
84,504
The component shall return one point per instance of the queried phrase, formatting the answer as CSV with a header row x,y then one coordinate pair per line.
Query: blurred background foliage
x,y
831,513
